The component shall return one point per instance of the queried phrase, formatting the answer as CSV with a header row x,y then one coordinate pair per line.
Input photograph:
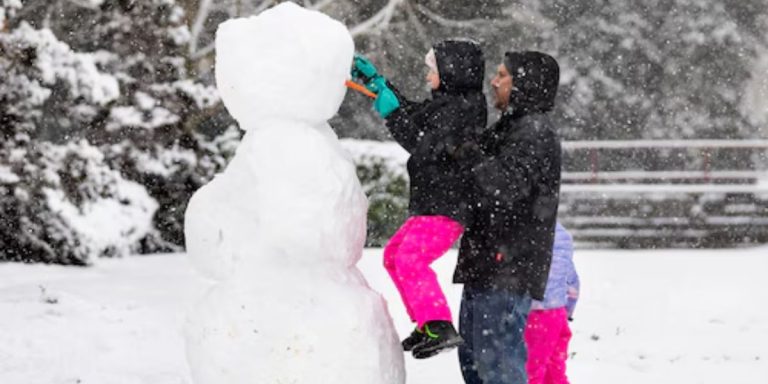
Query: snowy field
x,y
645,317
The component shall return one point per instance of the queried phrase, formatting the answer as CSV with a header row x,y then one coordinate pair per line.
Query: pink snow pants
x,y
547,335
420,241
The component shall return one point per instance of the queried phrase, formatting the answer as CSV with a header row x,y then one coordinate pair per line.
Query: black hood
x,y
461,66
535,77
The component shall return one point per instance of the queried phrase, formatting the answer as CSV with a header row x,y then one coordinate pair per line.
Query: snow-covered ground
x,y
645,317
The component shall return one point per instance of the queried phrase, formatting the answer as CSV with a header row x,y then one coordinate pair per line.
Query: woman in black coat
x,y
435,133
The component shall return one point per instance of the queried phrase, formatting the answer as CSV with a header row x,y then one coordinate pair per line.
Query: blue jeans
x,y
492,323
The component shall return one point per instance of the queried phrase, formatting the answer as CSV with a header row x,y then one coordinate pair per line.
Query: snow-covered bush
x,y
167,131
387,193
116,73
381,170
48,89
62,204
171,173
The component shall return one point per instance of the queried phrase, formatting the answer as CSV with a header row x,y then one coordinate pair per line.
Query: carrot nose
x,y
360,88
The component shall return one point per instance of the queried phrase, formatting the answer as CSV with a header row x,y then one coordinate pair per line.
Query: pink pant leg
x,y
540,340
390,251
543,337
425,239
557,363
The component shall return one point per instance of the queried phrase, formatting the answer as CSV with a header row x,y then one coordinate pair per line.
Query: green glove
x,y
376,84
363,69
386,102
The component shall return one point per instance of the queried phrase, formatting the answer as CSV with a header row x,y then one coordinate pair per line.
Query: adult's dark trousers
x,y
492,324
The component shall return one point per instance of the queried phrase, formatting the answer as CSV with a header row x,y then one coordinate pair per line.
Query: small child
x,y
434,133
547,333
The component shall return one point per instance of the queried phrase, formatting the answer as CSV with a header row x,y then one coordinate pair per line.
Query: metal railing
x,y
672,181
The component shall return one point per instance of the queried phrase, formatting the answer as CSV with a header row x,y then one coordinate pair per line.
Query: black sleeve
x,y
400,122
405,103
437,131
403,130
514,173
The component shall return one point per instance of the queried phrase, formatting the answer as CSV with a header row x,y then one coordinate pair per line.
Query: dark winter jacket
x,y
508,243
435,132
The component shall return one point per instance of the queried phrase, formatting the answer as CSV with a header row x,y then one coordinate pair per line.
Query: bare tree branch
x,y
442,21
378,21
421,31
321,4
372,25
203,52
522,15
84,4
515,15
263,6
203,12
197,26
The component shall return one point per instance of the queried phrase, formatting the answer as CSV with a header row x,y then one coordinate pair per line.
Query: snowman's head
x,y
288,63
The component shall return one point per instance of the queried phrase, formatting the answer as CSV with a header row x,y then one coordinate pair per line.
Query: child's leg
x,y
541,337
426,239
557,362
390,251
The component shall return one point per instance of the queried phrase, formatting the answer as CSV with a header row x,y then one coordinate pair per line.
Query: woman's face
x,y
433,79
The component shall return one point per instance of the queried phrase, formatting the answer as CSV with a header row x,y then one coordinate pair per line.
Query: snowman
x,y
281,229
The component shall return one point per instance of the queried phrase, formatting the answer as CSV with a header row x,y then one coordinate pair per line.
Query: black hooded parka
x,y
508,242
434,132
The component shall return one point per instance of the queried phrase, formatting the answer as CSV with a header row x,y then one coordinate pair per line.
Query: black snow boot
x,y
440,336
417,337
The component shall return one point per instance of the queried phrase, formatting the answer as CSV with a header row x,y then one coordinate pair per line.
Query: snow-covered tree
x,y
57,199
161,129
660,69
113,73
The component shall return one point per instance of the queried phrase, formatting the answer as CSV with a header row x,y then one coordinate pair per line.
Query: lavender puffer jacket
x,y
563,282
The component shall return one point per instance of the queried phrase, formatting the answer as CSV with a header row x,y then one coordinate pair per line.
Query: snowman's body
x,y
283,227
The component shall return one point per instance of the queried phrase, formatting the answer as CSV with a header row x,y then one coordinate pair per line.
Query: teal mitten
x,y
363,69
376,84
386,102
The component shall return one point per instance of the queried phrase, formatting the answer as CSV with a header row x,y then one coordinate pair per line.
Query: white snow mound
x,y
281,230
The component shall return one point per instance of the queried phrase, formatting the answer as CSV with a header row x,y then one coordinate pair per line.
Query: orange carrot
x,y
360,88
